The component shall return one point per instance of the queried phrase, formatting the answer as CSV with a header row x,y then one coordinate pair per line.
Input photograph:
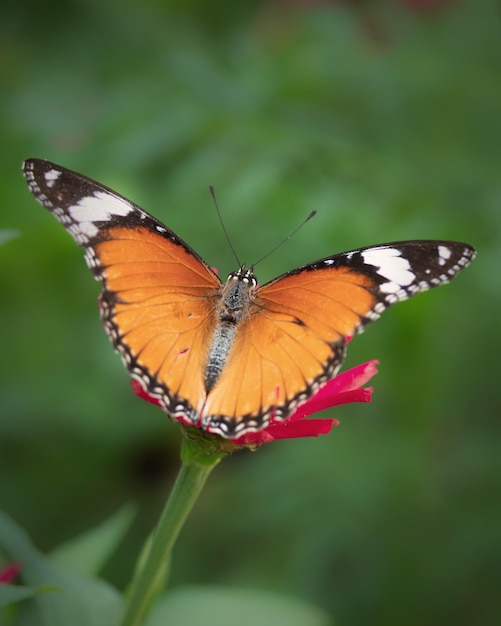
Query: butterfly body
x,y
233,307
228,357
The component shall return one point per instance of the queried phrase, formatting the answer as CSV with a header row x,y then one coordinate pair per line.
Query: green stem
x,y
199,458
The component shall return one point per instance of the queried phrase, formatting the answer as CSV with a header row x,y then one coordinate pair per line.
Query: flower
x,y
344,388
9,572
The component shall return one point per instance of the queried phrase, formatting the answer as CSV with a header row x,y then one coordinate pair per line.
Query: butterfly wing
x,y
158,298
295,336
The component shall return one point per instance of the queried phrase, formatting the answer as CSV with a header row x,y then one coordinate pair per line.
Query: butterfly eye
x,y
250,279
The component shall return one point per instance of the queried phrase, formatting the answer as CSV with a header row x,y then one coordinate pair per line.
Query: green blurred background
x,y
383,116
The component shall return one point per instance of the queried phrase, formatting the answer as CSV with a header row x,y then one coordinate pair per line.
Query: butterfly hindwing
x,y
275,364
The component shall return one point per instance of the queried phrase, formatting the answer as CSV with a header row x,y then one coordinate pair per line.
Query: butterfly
x,y
230,356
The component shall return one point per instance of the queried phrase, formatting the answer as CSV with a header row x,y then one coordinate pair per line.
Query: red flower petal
x,y
141,392
288,430
342,389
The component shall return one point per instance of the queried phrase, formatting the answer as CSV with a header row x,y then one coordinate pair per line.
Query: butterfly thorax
x,y
235,295
232,309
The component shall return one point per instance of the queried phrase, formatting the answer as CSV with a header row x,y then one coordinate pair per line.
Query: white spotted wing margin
x,y
400,269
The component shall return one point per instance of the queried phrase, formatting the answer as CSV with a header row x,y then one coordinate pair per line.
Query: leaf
x,y
89,552
224,606
63,596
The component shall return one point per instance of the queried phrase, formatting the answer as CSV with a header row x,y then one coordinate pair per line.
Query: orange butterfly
x,y
228,357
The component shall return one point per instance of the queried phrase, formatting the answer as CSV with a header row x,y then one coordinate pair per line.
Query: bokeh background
x,y
383,116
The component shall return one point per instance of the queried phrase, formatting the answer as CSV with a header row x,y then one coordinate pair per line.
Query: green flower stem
x,y
199,456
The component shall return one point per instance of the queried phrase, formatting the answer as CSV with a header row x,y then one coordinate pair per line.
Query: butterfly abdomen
x,y
218,352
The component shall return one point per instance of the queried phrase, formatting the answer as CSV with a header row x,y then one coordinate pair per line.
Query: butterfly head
x,y
245,276
236,295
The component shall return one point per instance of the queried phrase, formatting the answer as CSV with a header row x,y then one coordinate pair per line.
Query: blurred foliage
x,y
385,119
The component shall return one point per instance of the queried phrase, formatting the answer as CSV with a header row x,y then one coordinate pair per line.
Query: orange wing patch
x,y
159,309
331,301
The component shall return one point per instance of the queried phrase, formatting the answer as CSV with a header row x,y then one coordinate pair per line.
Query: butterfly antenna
x,y
213,194
312,214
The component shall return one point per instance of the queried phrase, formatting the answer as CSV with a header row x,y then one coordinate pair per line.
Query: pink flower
x,y
9,572
342,389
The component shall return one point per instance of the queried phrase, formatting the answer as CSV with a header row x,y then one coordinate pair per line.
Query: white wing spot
x,y
51,176
392,265
444,254
100,207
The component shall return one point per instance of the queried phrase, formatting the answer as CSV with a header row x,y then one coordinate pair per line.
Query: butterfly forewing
x,y
163,307
158,296
295,338
387,273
